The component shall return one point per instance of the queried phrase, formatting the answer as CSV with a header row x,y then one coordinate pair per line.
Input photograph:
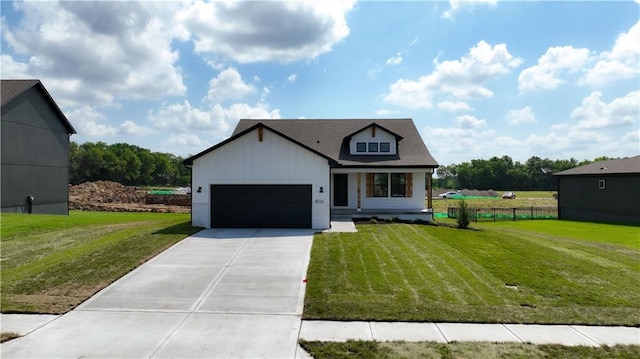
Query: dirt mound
x,y
104,192
480,193
114,197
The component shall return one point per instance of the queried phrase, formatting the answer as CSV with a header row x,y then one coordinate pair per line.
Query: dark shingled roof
x,y
330,139
10,89
623,166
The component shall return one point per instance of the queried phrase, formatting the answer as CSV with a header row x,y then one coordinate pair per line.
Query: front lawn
x,y
505,272
50,263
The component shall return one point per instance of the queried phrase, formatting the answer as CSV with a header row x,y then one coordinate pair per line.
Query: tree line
x,y
126,164
502,173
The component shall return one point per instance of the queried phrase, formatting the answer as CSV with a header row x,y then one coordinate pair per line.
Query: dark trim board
x,y
261,206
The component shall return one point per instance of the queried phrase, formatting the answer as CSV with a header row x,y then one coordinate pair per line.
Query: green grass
x,y
522,272
50,264
461,350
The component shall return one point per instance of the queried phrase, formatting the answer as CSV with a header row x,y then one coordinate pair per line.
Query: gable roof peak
x,y
10,89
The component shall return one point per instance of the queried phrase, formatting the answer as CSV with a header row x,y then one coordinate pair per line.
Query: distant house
x,y
605,191
298,173
35,150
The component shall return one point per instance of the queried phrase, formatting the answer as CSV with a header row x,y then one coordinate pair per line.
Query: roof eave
x,y
189,161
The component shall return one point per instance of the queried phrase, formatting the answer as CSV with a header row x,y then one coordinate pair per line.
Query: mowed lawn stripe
x,y
32,248
408,272
480,287
605,254
587,264
427,257
100,240
54,270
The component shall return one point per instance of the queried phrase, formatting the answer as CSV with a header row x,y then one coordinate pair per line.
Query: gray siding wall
x,y
581,199
35,156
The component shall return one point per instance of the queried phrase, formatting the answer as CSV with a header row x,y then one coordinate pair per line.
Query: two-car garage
x,y
261,206
260,178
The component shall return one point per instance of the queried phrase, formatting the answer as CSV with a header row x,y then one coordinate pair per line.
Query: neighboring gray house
x,y
605,191
35,150
298,173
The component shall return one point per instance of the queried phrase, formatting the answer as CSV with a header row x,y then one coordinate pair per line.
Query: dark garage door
x,y
261,206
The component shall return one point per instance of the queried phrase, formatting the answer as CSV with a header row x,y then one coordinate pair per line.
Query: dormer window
x,y
373,140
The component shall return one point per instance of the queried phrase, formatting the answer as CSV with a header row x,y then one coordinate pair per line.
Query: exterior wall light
x,y
199,190
321,189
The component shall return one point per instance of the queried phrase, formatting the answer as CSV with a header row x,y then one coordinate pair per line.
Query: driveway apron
x,y
225,293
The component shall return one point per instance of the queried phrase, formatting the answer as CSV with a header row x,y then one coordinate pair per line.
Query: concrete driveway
x,y
216,294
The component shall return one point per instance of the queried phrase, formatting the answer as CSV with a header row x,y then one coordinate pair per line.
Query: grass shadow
x,y
184,228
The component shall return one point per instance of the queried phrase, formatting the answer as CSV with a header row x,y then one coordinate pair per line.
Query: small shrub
x,y
388,219
373,221
463,215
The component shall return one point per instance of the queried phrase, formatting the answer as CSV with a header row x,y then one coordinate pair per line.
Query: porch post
x,y
429,174
359,191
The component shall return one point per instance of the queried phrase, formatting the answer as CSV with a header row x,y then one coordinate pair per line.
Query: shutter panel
x,y
369,185
408,185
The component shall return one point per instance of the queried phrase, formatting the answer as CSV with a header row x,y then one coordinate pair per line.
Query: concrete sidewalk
x,y
450,332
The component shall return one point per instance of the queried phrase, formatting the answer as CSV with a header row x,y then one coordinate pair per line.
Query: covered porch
x,y
403,193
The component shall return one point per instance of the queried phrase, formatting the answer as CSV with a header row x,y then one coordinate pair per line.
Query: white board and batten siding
x,y
274,160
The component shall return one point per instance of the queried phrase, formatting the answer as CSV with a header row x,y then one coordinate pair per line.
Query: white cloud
x,y
453,106
396,60
242,110
596,114
470,122
555,67
457,5
130,128
633,136
228,85
91,53
292,78
259,31
87,122
454,144
521,116
462,78
556,62
182,117
13,69
217,120
622,62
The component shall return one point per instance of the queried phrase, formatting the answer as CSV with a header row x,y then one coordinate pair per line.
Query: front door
x,y
340,189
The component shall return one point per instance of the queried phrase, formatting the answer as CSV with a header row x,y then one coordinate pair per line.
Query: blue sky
x,y
479,78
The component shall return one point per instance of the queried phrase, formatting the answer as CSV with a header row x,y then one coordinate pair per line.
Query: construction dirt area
x,y
110,196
